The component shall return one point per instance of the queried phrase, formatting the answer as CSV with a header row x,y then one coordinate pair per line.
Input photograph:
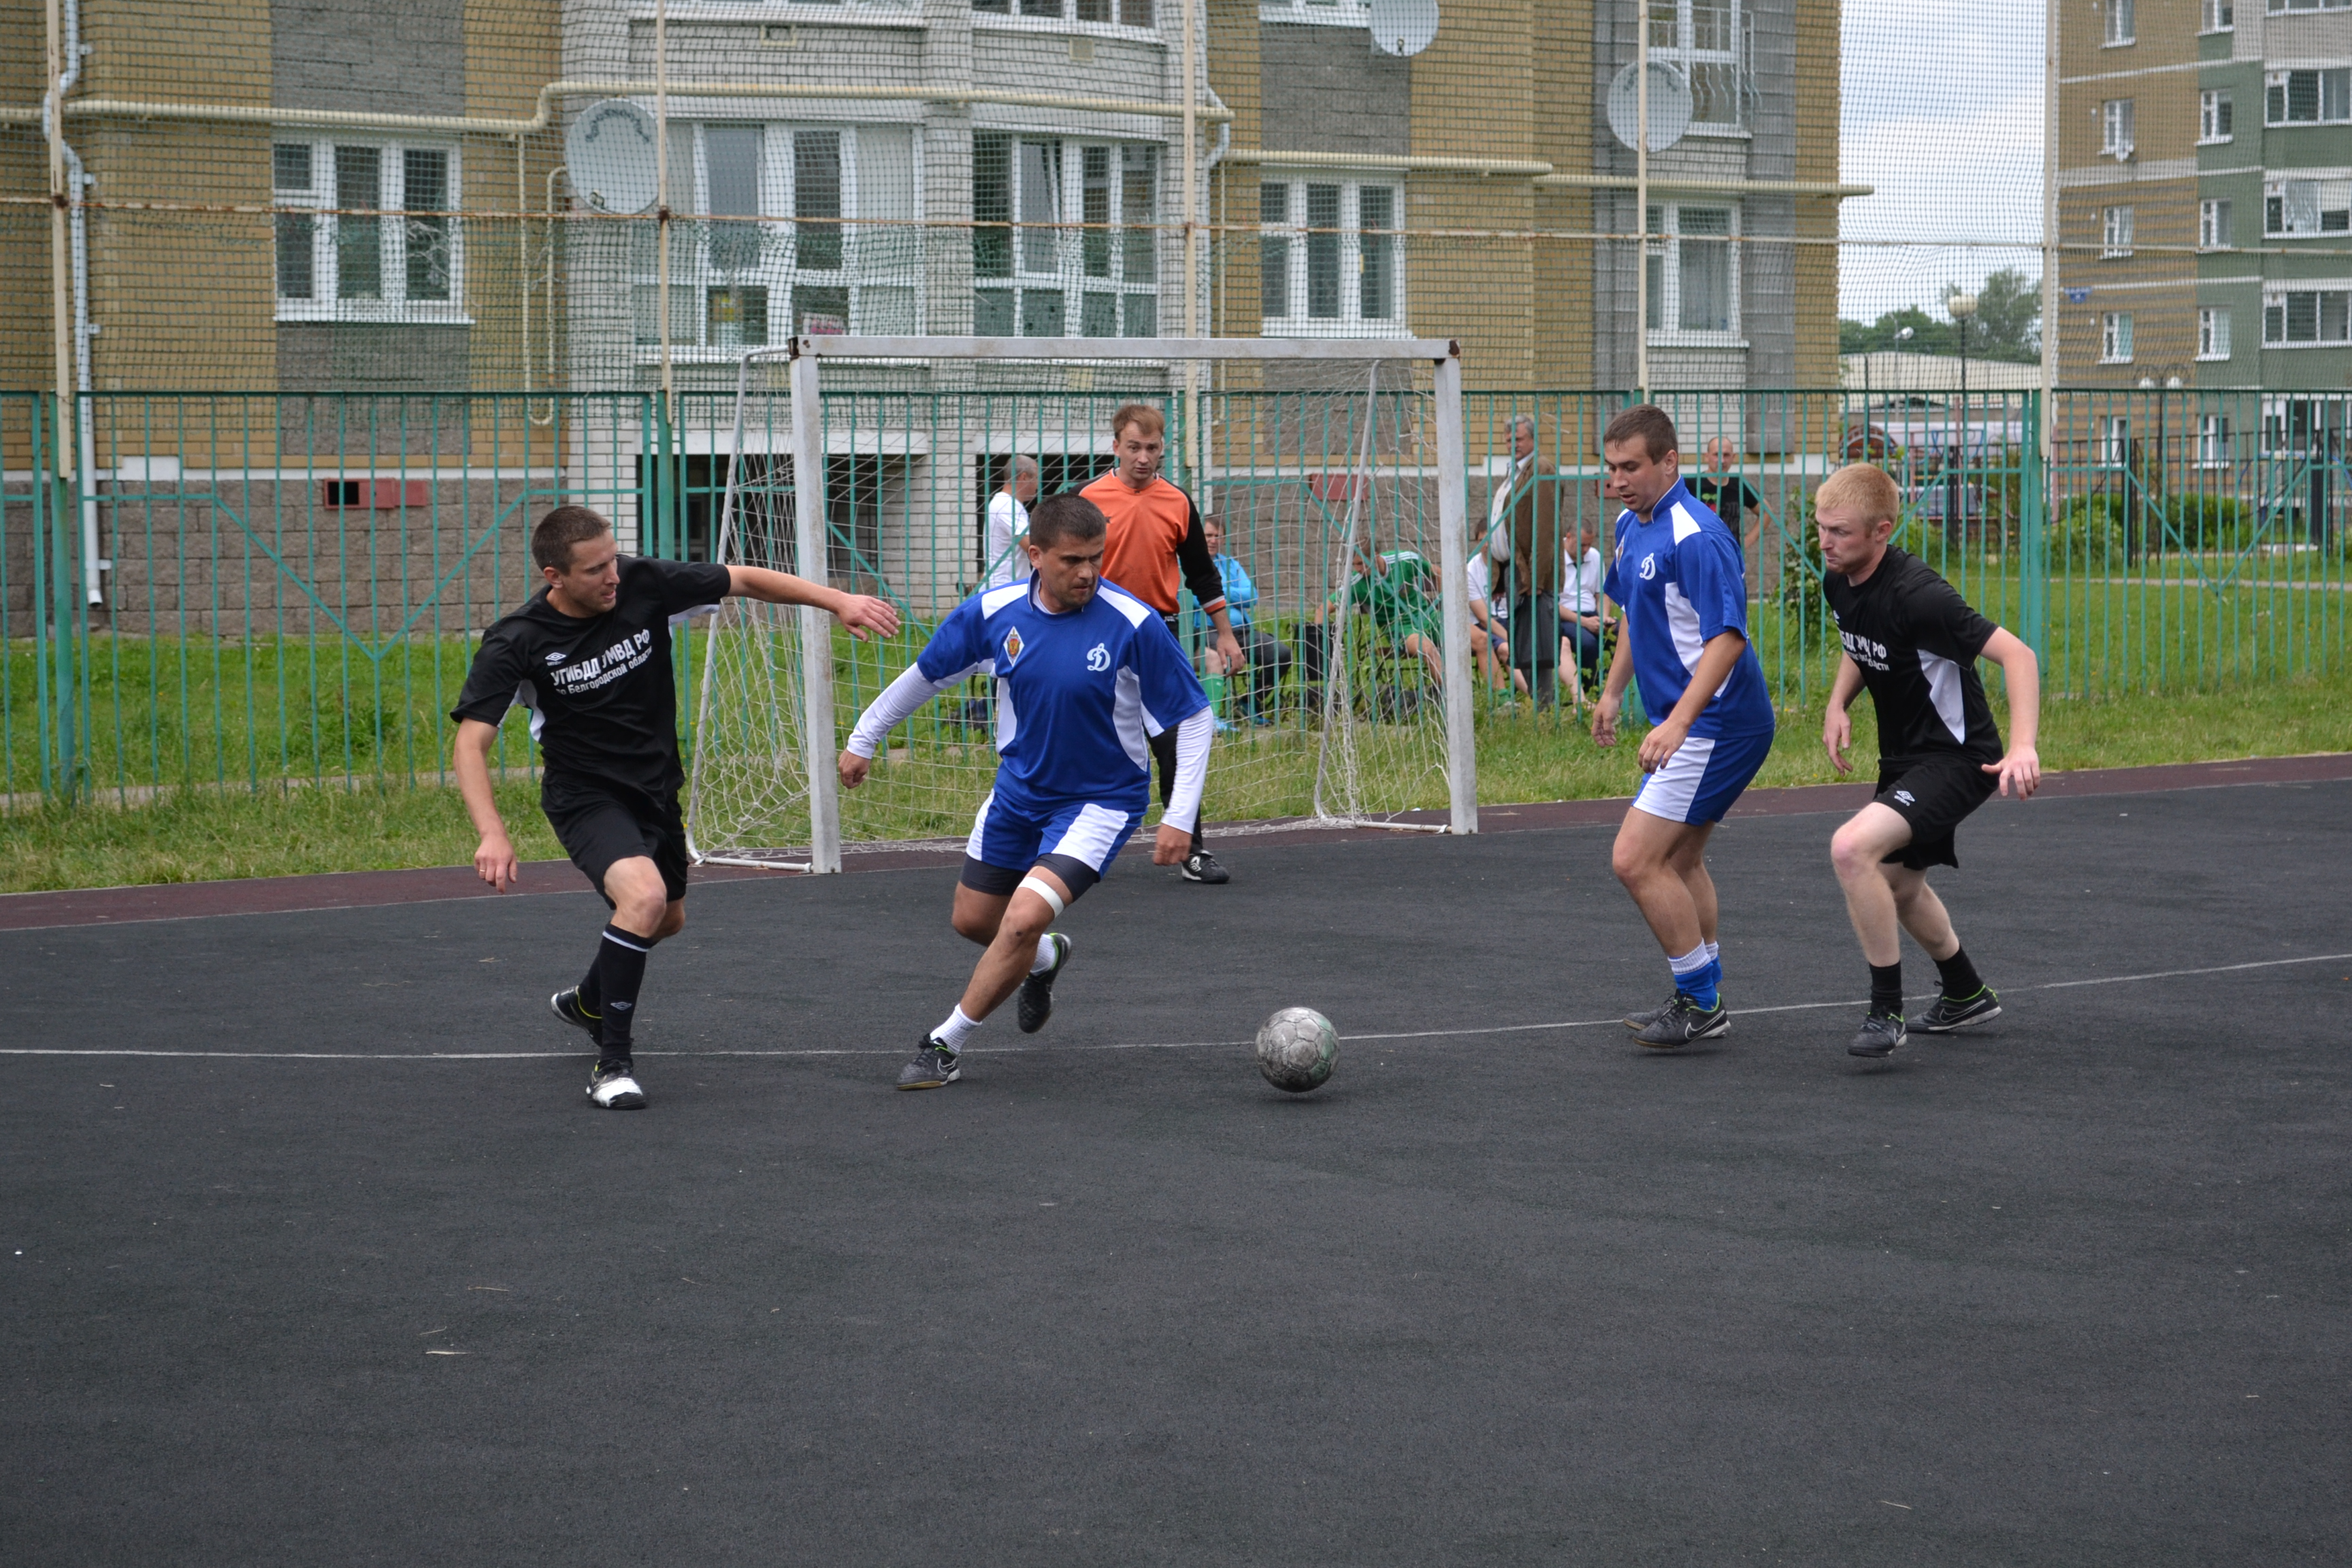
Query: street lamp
x,y
1961,307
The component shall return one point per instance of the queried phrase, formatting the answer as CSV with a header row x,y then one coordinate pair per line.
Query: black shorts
x,y
1933,794
598,826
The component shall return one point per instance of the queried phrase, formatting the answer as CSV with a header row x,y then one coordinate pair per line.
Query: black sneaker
x,y
934,1067
1037,991
1950,1013
1649,1016
1879,1035
1684,1021
1202,867
613,1086
566,1006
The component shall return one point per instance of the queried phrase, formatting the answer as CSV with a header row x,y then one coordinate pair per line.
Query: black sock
x,y
1961,978
1886,989
592,1001
619,971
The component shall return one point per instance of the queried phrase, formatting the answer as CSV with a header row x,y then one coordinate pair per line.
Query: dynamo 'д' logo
x,y
1649,567
1098,657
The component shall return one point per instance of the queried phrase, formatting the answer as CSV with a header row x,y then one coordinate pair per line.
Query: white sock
x,y
951,1033
1049,953
1712,952
1696,959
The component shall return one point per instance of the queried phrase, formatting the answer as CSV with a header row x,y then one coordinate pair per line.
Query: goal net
x,y
1331,471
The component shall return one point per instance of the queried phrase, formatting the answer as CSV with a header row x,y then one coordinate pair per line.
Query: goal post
x,y
1335,466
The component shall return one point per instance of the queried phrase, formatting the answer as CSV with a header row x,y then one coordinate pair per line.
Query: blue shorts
x,y
1703,777
1078,840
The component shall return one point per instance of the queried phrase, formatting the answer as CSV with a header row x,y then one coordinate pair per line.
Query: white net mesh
x,y
1320,475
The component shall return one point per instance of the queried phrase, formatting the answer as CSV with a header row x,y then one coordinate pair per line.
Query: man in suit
x,y
1524,547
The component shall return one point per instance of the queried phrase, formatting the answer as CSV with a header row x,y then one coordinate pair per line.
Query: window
x,y
2116,231
2294,208
2213,116
2308,98
1330,259
2220,17
2300,318
2213,225
2115,338
1708,41
1066,244
2120,29
1694,271
2115,128
2276,7
2115,445
366,231
1329,13
2213,332
2213,441
1126,12
760,252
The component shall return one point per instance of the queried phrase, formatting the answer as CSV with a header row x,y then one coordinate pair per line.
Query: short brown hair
x,y
1068,515
558,531
1864,486
1648,422
1154,423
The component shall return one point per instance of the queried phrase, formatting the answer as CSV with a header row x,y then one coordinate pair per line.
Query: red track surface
x,y
353,889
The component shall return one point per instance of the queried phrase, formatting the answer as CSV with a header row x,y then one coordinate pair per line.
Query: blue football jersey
x,y
1683,580
1077,694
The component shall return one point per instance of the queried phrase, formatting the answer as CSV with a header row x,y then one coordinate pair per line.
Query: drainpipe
x,y
68,184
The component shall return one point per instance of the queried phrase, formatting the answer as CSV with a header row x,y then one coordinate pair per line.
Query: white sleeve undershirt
x,y
896,705
1191,771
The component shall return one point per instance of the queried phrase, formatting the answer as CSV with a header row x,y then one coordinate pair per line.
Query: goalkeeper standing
x,y
1155,536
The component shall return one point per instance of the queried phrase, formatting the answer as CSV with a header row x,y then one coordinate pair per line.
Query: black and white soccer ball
x,y
1297,1050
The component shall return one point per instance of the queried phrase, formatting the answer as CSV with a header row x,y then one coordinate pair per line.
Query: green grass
x,y
201,833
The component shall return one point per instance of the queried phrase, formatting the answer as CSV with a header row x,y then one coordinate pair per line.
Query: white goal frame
x,y
805,353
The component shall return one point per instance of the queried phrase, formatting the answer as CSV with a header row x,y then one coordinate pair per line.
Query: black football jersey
x,y
601,691
1916,642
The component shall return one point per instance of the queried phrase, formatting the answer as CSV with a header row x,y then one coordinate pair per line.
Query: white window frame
x,y
1664,245
695,333
2213,332
2218,17
1050,256
2116,124
2122,25
1295,235
1065,14
2278,313
2116,226
2279,7
2214,218
2287,201
2213,441
1317,13
2278,96
2115,338
1709,42
2217,117
2114,439
394,237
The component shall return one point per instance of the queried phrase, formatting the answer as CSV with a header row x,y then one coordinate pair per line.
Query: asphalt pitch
x,y
2069,1289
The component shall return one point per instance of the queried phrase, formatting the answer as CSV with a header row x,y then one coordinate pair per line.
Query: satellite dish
x,y
1669,105
612,157
1402,26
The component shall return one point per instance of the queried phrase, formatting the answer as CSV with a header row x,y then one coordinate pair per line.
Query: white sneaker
x,y
612,1086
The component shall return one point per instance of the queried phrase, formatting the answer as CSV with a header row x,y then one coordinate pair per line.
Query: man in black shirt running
x,y
1911,638
589,656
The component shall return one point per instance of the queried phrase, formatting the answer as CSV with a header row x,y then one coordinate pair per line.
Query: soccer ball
x,y
1297,1050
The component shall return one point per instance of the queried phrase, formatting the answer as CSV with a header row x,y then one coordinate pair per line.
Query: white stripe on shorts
x,y
978,827
1091,835
1668,793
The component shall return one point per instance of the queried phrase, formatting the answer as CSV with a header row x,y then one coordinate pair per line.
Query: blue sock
x,y
1697,975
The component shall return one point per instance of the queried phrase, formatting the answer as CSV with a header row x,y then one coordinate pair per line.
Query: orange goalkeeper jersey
x,y
1153,531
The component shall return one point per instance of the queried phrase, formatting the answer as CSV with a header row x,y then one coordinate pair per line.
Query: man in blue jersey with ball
x,y
1681,576
1087,676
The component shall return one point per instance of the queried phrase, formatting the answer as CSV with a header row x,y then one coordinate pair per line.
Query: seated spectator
x,y
1267,658
1490,639
1584,613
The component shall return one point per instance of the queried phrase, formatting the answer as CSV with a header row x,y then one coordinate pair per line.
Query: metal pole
x,y
816,629
60,266
1453,501
1195,440
1642,199
2049,233
661,186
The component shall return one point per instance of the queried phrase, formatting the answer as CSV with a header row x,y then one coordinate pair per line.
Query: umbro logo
x,y
1905,796
557,658
1098,657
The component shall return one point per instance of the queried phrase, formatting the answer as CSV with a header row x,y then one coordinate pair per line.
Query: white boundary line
x,y
1131,1046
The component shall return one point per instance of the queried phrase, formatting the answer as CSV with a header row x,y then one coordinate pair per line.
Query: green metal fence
x,y
240,591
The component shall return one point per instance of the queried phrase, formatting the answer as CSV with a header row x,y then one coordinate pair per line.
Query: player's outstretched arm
x,y
1175,839
1837,724
494,858
859,612
893,708
2021,765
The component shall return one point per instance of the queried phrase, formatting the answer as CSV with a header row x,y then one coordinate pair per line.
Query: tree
x,y
2007,325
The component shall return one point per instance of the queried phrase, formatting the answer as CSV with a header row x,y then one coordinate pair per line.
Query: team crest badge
x,y
1011,646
